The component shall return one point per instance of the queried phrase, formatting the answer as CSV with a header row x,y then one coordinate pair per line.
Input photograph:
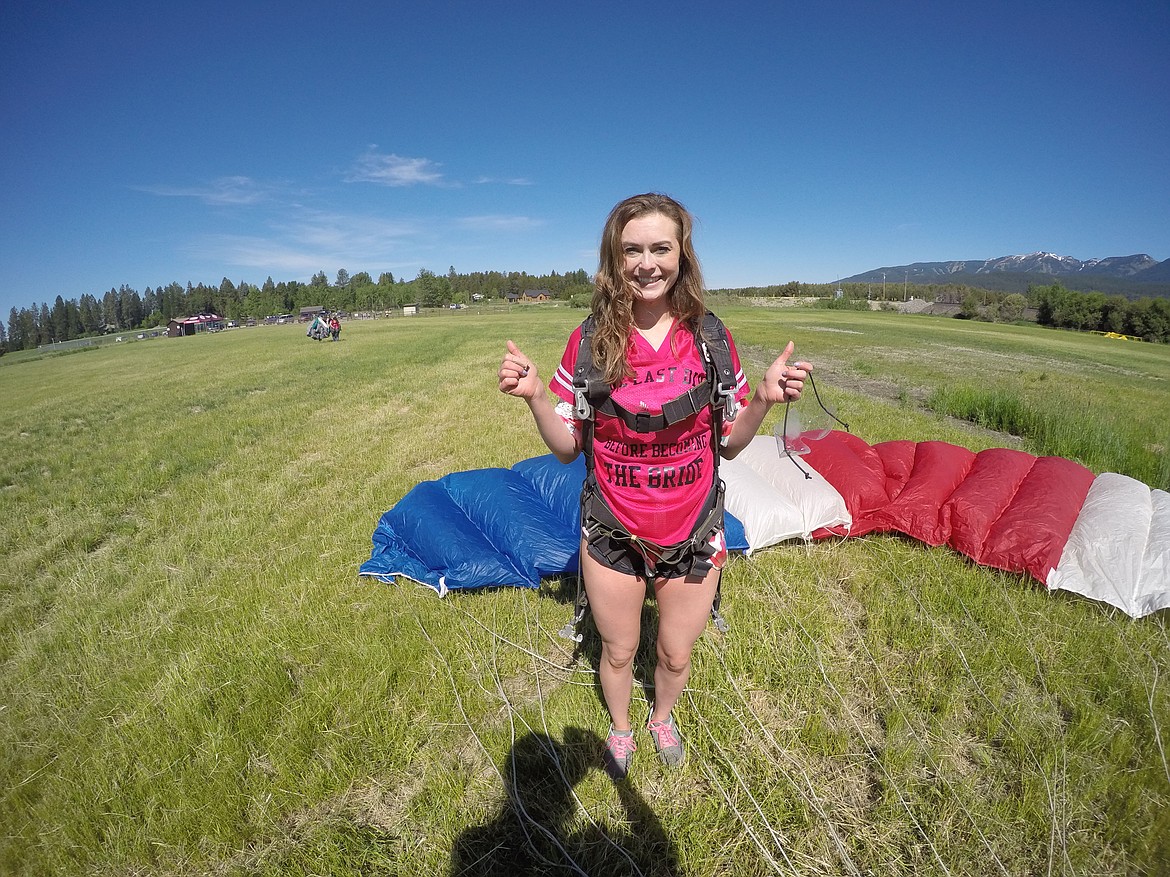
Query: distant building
x,y
528,295
181,326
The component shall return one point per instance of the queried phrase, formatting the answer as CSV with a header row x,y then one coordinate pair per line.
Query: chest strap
x,y
675,411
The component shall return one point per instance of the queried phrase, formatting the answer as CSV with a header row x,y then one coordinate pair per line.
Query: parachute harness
x,y
592,394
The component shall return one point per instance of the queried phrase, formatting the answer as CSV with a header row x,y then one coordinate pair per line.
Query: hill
x,y
1136,276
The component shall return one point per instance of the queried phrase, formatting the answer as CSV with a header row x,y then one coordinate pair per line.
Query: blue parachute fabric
x,y
490,528
559,484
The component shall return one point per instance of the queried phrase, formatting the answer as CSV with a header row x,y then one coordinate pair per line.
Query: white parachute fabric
x,y
774,500
1119,549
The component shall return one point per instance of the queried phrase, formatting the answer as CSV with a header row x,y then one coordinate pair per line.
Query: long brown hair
x,y
613,295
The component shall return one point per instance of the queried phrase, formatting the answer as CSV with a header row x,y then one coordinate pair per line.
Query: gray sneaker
x,y
667,741
619,749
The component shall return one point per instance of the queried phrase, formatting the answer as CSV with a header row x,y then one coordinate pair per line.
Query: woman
x,y
657,491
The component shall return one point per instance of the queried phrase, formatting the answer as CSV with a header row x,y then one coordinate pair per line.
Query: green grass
x,y
1053,421
195,681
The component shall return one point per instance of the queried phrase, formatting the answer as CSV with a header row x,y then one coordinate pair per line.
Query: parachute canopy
x,y
1106,537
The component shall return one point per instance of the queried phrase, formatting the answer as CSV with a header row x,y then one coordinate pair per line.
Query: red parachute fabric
x,y
1000,507
855,470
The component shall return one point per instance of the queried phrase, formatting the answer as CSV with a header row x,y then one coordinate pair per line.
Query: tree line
x,y
126,309
1146,318
1055,305
1062,308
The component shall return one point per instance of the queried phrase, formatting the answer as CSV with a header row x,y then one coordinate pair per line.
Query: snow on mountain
x,y
1032,263
1040,263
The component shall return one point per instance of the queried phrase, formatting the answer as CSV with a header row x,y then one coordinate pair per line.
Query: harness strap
x,y
597,518
717,352
676,410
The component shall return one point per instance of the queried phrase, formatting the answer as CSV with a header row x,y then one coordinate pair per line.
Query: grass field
x,y
194,680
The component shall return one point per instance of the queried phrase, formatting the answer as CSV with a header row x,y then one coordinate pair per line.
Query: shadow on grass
x,y
540,830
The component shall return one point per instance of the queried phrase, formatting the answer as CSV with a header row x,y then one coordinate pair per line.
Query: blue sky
x,y
145,143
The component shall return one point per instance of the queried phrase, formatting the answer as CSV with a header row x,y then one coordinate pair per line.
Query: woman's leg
x,y
683,609
615,601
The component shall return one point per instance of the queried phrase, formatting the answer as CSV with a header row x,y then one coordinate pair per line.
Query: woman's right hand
x,y
518,374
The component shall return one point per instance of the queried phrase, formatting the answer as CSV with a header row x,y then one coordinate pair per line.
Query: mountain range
x,y
1133,276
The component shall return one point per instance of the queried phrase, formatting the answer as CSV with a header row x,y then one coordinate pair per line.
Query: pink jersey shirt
x,y
655,483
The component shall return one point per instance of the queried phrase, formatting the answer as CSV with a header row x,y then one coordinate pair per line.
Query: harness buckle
x,y
582,408
723,395
721,624
571,631
730,409
642,422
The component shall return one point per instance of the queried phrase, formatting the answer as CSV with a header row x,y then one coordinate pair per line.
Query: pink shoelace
x,y
664,733
621,746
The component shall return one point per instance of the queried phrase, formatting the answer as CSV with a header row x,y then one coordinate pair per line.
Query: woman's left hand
x,y
518,375
784,382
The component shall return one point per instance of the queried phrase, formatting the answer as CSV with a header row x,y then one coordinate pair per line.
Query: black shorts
x,y
626,557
